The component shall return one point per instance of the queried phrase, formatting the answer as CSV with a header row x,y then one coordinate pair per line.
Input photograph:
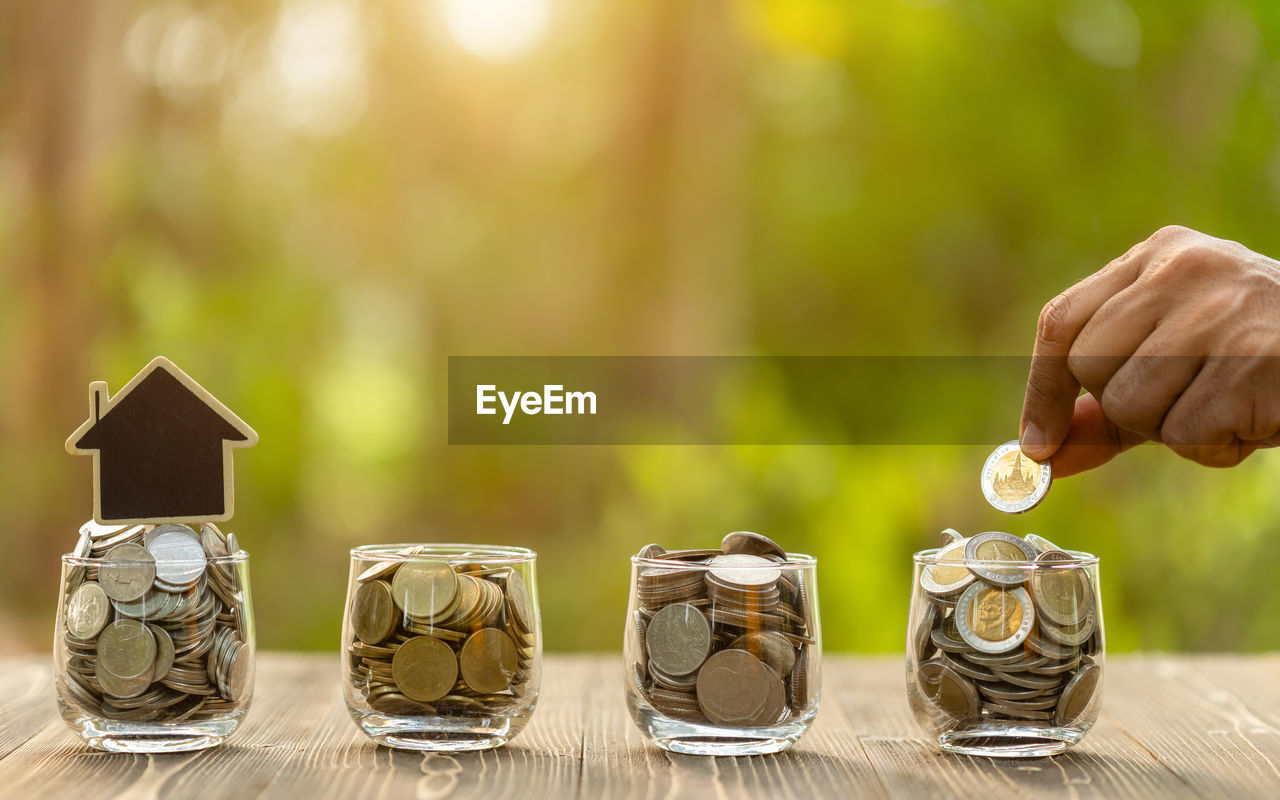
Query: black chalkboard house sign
x,y
161,449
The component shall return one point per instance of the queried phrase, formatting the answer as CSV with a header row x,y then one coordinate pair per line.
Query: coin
x,y
922,640
984,552
520,602
994,620
1069,635
164,652
126,649
743,570
754,544
127,572
770,647
678,639
650,551
1013,483
1039,543
948,690
88,611
179,557
1077,694
425,668
374,615
424,589
1063,593
733,687
488,661
947,576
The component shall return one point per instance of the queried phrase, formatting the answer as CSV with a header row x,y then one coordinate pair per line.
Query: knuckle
x,y
1052,325
1169,233
1123,406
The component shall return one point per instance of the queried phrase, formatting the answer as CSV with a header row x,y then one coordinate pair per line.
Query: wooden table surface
x,y
1172,726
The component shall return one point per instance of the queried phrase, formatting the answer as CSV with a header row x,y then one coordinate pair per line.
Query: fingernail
x,y
1033,443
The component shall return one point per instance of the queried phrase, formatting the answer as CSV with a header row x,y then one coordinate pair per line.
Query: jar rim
x,y
459,551
794,561
72,560
928,557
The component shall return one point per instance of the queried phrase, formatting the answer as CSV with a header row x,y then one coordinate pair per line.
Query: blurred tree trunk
x,y
45,57
680,183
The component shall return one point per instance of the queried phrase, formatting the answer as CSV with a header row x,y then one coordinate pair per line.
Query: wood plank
x,y
55,763
619,762
1172,726
1107,764
1197,727
543,761
26,700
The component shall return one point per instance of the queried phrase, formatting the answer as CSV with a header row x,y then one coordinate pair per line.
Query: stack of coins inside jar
x,y
154,626
723,636
441,636
1011,633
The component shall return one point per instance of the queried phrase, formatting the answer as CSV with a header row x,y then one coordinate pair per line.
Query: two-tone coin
x,y
994,620
998,558
1013,483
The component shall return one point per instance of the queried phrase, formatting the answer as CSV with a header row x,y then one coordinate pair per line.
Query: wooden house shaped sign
x,y
162,449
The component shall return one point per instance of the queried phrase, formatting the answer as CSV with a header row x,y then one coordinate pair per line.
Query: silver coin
x,y
740,569
161,530
651,551
985,552
678,639
950,535
88,611
1013,483
126,649
749,543
179,558
164,651
127,572
994,620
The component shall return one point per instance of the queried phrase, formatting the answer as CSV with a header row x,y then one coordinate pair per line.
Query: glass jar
x,y
723,658
441,644
154,639
1005,658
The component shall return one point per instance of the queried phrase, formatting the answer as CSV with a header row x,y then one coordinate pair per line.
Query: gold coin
x,y
425,590
373,612
950,566
488,661
995,615
425,669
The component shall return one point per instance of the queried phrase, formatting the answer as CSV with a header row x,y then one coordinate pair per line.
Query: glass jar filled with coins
x,y
154,640
1005,647
442,644
722,647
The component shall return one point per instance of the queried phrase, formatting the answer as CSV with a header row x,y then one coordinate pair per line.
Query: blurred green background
x,y
309,206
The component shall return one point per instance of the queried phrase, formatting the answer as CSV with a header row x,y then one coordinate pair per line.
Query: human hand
x,y
1177,341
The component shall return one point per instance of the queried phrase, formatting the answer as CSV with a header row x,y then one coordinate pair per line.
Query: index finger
x,y
1051,388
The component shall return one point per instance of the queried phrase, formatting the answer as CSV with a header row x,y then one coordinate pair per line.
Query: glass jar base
x,y
142,737
1011,741
704,739
439,734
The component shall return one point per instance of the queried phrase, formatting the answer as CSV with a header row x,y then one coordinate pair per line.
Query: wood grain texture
x,y
1172,726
